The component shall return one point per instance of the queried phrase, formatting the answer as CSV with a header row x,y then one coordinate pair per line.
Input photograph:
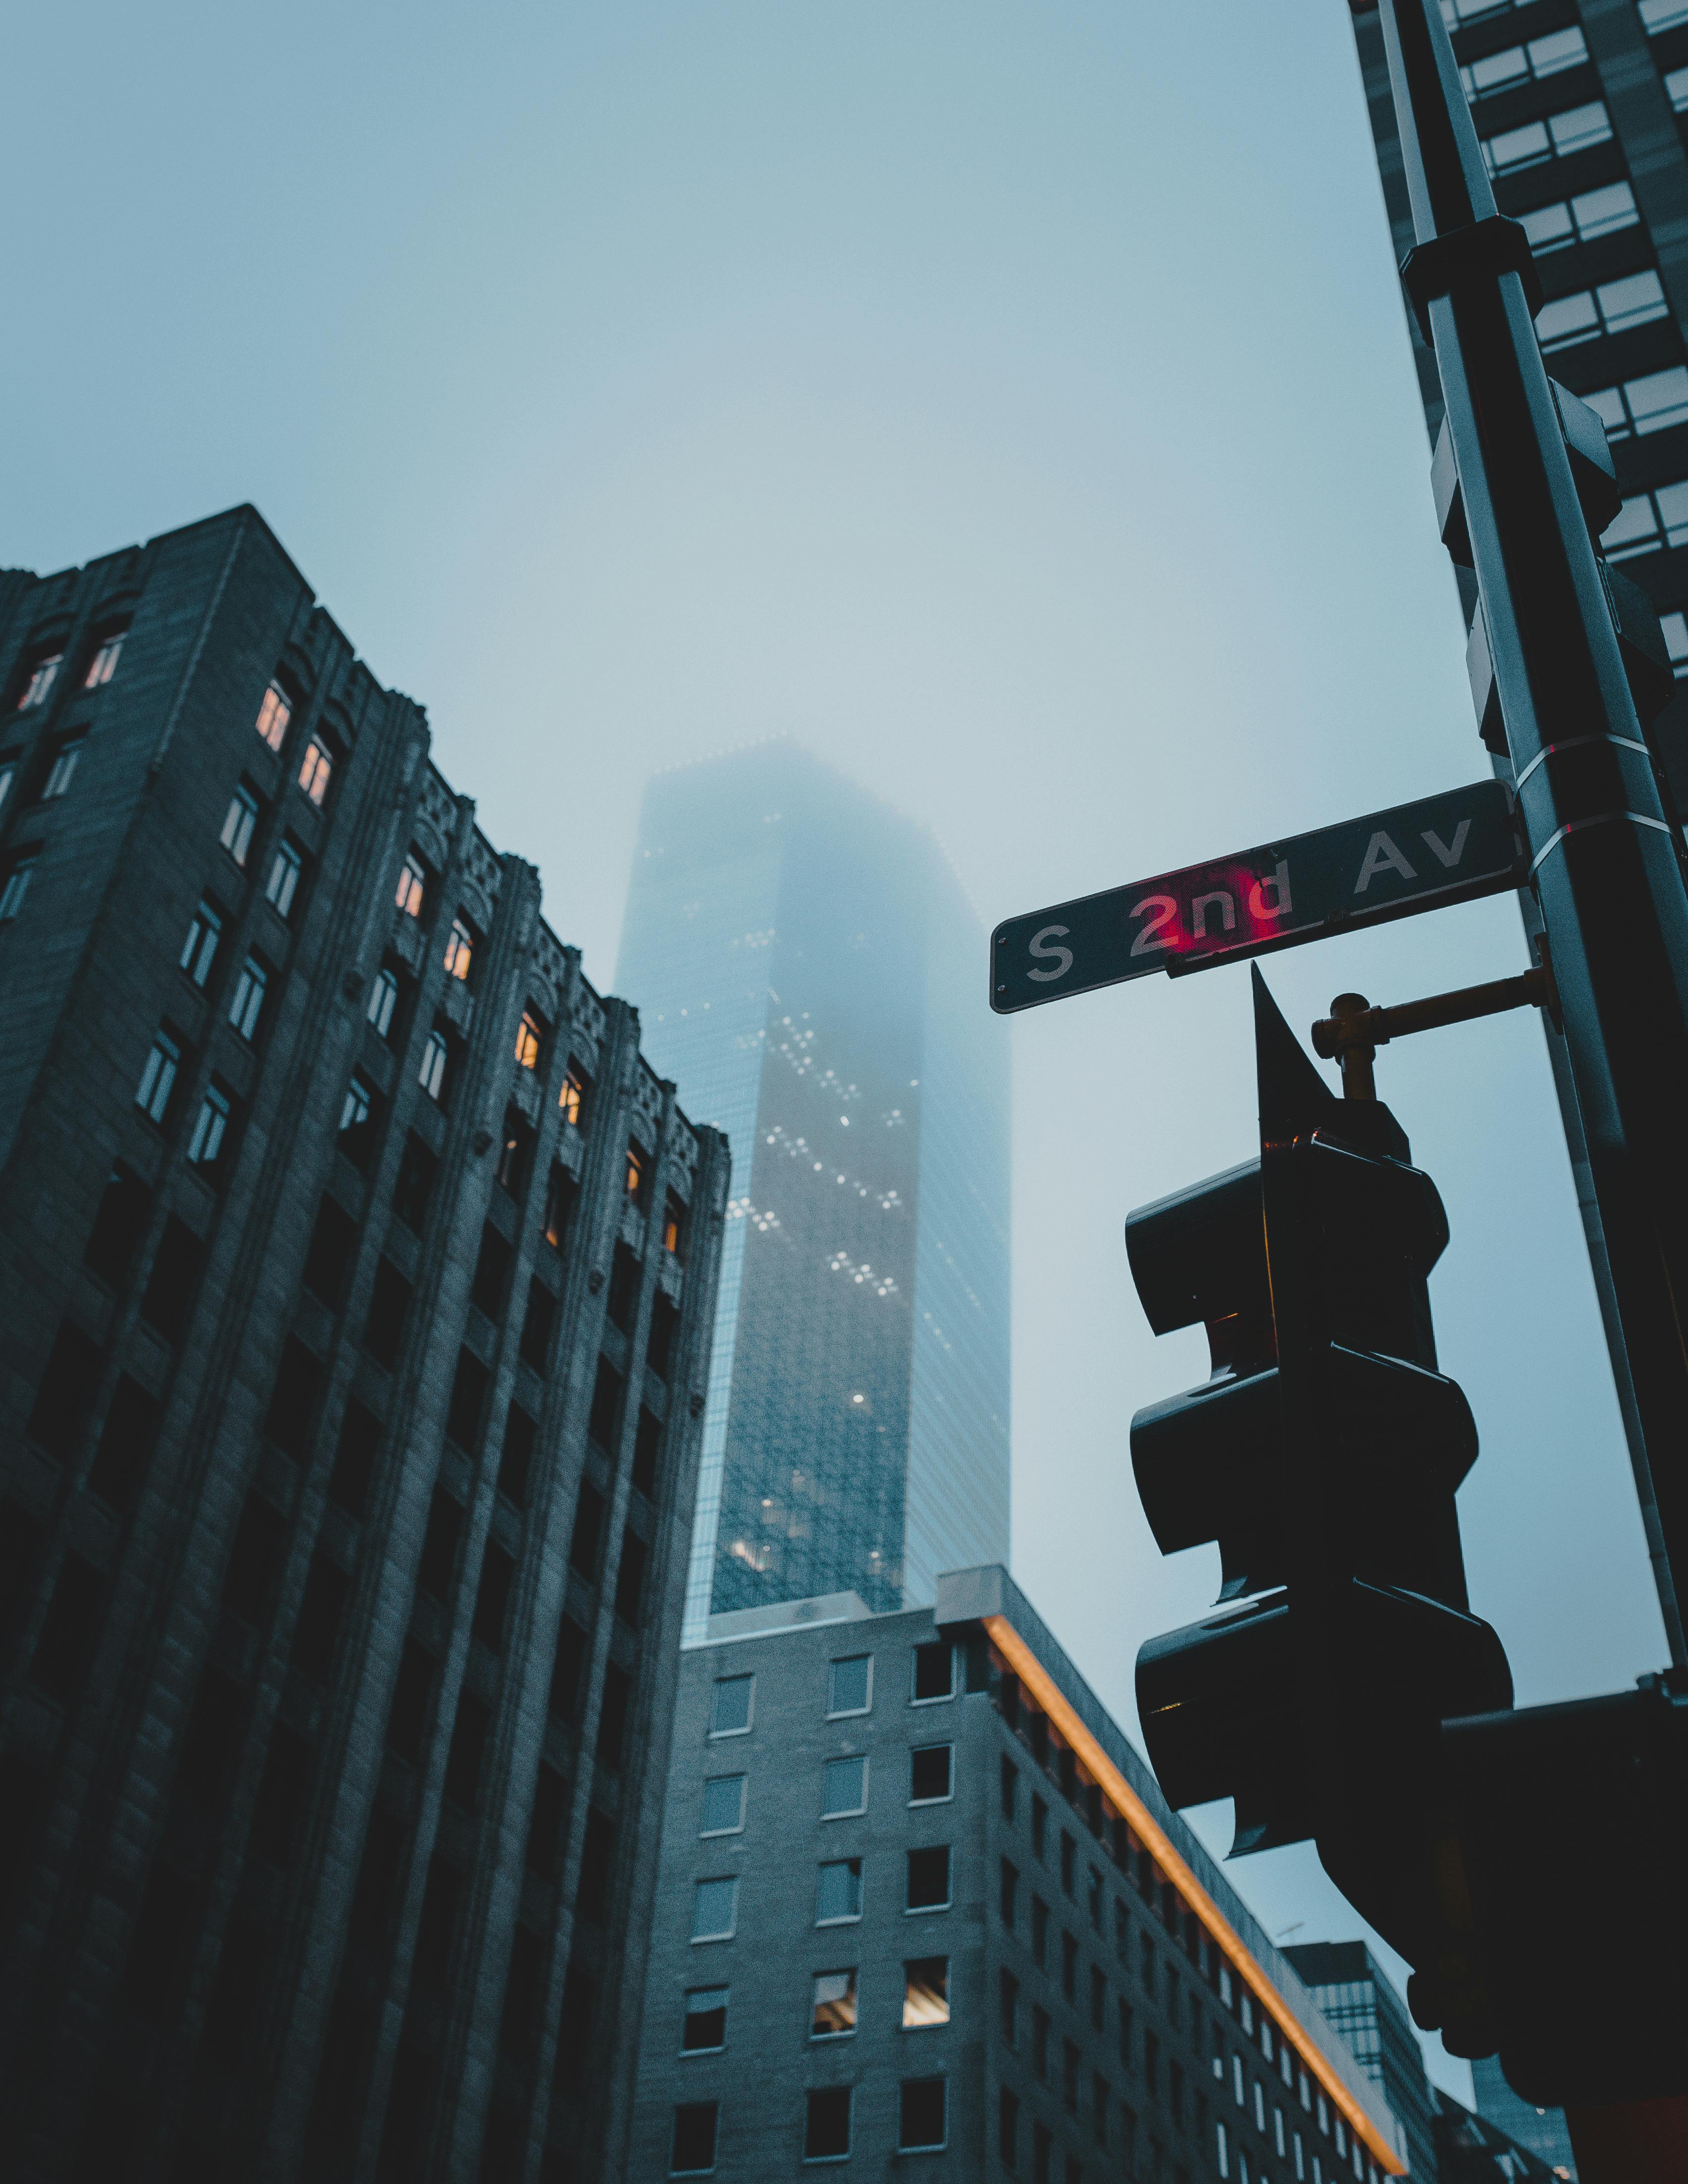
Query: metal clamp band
x,y
1494,246
1575,743
1599,819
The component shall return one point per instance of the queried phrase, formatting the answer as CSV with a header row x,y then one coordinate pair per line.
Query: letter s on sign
x,y
1038,948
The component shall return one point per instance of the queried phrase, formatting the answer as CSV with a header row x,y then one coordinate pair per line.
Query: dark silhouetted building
x,y
1543,2131
1472,2150
1360,2000
356,1281
921,1900
809,973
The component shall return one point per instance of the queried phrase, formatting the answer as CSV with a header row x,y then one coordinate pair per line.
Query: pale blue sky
x,y
1014,404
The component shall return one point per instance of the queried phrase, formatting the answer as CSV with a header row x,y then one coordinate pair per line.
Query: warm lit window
x,y
635,1171
925,1991
673,1222
383,999
431,1073
274,715
285,868
158,1079
237,826
530,1038
16,886
199,950
246,1004
103,665
459,950
42,676
572,1097
316,771
63,770
412,887
833,2009
209,1126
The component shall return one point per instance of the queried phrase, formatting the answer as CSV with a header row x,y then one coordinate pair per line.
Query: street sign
x,y
1451,848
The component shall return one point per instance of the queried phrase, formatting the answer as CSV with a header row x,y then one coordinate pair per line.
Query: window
x,y
43,671
1556,138
1094,1897
431,1073
274,715
925,1991
246,1004
929,1879
1069,1861
199,950
730,1712
636,1159
1594,213
673,1226
843,1788
851,1688
1039,1931
412,887
1559,49
1069,1967
692,2154
825,2129
1646,522
1009,1898
1011,1783
934,1672
1008,2008
704,2025
1612,309
1676,629
238,822
1277,2137
8,774
1040,1824
1647,404
530,1040
723,1812
158,1079
517,1143
1099,2108
357,1124
413,1187
838,1893
1007,2128
16,885
1223,2150
1098,1999
921,2114
1658,16
209,1126
282,884
930,1773
1125,2025
1040,2044
459,950
316,770
714,1910
572,1097
833,2007
63,770
103,665
383,1000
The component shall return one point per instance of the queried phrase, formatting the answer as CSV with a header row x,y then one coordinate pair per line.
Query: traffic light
x,y
1322,1455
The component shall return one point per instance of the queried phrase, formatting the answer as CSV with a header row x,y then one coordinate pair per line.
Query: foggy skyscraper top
x,y
810,974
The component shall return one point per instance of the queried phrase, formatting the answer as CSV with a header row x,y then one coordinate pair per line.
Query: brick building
x,y
356,1278
920,1901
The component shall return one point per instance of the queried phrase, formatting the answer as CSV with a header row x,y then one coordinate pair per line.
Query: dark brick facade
x,y
346,1477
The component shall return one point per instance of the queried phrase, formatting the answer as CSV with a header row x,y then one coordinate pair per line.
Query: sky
x,y
1013,403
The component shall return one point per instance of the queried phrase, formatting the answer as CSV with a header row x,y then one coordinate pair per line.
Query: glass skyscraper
x,y
809,973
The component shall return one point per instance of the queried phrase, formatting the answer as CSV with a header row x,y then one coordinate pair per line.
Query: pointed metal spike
x,y
1293,1096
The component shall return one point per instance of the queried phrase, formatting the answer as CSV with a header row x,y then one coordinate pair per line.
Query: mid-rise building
x,y
356,1283
1543,2131
1472,2149
809,973
1359,1999
919,1896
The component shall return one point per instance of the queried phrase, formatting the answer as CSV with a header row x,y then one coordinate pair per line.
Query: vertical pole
x,y
1604,872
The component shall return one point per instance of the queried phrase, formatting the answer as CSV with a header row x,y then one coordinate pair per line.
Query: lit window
x,y
530,1037
209,1126
354,1108
432,1074
843,1788
826,2125
635,1171
833,2010
412,887
1658,16
383,999
922,2114
850,1685
237,826
316,771
723,1812
730,1711
63,770
1675,628
925,1991
274,715
1676,88
16,887
1647,522
715,1906
673,1221
705,2027
246,1004
572,1096
459,951
103,665
198,951
158,1079
42,676
838,1894
285,867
